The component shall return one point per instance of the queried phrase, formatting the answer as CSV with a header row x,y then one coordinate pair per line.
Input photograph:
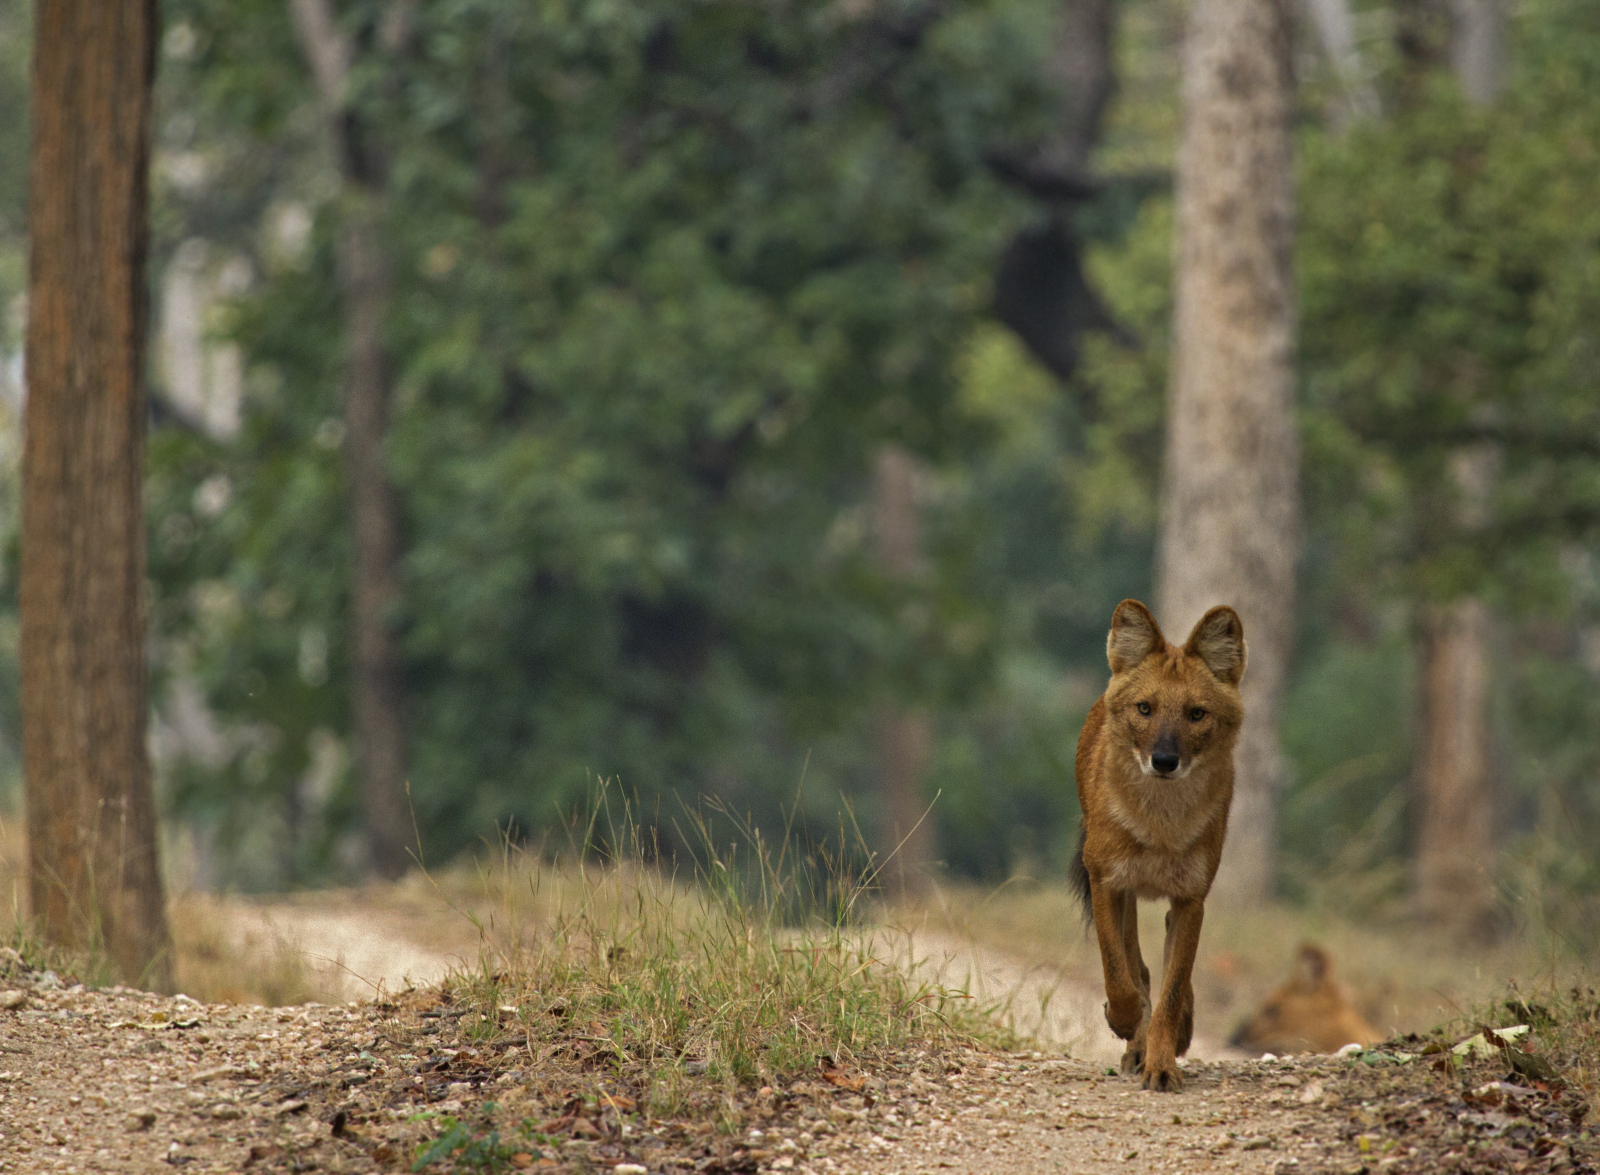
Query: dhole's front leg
x,y
1127,1005
1172,1020
1133,1055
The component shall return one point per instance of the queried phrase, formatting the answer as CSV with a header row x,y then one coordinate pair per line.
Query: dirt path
x,y
358,949
1059,1012
123,1081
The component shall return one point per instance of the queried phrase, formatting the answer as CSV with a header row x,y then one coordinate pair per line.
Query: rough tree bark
x,y
1453,873
365,283
1230,510
92,831
904,736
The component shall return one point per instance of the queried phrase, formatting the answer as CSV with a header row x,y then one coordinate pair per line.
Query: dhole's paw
x,y
1125,1016
1163,1078
1133,1059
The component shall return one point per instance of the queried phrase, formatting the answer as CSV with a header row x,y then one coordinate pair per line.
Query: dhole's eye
x,y
1196,714
1144,708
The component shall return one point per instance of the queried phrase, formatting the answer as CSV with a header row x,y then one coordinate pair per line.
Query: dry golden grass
x,y
213,960
654,978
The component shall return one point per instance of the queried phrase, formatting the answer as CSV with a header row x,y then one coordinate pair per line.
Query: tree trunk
x,y
1478,47
1083,70
904,736
1453,876
1230,526
364,291
1336,32
92,831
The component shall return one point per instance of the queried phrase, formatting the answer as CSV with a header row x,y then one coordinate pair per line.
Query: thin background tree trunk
x,y
1336,33
1084,74
904,735
1453,873
364,289
1478,47
92,831
1230,527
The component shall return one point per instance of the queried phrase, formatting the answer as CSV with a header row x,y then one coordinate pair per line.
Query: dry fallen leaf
x,y
855,1083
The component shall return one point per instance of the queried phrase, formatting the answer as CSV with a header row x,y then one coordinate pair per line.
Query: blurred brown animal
x,y
1309,1014
1155,778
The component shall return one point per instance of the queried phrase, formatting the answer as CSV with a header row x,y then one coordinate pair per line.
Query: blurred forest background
x,y
774,393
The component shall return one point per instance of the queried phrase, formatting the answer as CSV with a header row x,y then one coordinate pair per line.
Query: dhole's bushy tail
x,y
1078,877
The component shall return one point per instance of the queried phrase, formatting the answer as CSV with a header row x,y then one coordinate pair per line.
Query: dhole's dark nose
x,y
1164,761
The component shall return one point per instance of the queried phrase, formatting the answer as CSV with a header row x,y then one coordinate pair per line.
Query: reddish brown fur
x,y
1309,1013
1155,778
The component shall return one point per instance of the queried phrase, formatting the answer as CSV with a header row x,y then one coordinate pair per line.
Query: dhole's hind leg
x,y
1133,1055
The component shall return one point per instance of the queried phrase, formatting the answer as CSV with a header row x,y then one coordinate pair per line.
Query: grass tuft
x,y
661,984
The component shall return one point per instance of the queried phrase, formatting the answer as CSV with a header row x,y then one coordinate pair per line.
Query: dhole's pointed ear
x,y
1134,636
1311,965
1218,640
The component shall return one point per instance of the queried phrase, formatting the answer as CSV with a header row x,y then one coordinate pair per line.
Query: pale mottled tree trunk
x,y
92,830
378,700
1230,510
904,735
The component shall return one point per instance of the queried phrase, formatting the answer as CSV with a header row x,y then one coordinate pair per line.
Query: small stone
x,y
292,1106
49,981
783,1163
629,1169
12,1000
226,1113
219,1071
140,1120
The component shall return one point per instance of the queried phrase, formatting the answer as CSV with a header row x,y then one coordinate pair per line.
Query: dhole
x,y
1310,1013
1155,778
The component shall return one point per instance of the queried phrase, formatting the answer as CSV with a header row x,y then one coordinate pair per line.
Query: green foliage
x,y
1448,262
664,279
466,1149
1448,259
